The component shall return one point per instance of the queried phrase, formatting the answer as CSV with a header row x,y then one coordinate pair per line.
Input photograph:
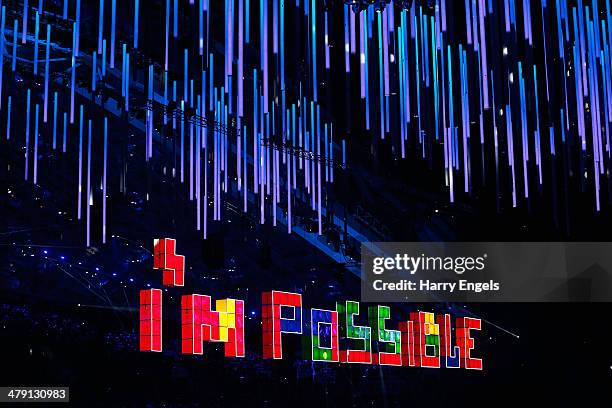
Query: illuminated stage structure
x,y
237,108
418,342
298,128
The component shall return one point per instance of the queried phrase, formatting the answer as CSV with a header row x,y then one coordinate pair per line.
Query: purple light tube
x,y
267,156
313,19
127,82
149,148
215,165
103,58
89,193
366,70
104,181
347,63
27,137
230,45
352,27
205,210
200,26
275,27
210,86
255,118
175,19
100,25
483,57
113,18
35,179
245,167
274,196
443,15
167,35
191,153
47,52
198,168
264,39
36,28
2,23
8,119
94,59
80,168
238,154
386,51
136,11
327,60
289,160
511,151
15,29
241,58
186,76
203,108
468,25
362,57
293,144
54,120
78,28
64,133
182,143
123,72
412,19
319,181
331,151
261,202
72,73
326,152
24,22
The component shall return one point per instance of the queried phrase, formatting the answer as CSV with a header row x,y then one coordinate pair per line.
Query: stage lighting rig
x,y
189,116
301,153
379,5
360,5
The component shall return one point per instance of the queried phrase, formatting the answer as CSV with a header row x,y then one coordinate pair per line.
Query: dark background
x,y
68,314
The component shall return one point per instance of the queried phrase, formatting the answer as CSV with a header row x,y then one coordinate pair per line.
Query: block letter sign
x,y
427,340
171,264
359,336
447,350
466,342
275,322
200,323
151,320
389,341
324,325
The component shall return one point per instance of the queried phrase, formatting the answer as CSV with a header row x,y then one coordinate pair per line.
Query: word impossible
x,y
426,340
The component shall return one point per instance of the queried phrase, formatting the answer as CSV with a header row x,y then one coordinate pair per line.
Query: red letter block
x,y
171,264
151,320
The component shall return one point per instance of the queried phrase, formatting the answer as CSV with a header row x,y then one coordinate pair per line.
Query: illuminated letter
x,y
427,336
200,323
447,350
407,330
390,347
274,323
166,259
466,342
324,322
151,320
351,333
